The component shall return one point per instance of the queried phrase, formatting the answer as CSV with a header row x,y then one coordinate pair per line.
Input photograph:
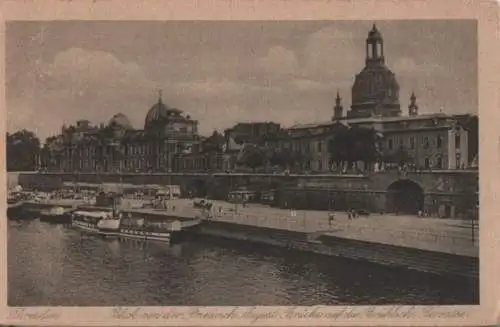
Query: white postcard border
x,y
486,13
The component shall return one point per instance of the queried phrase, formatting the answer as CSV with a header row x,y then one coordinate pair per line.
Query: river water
x,y
53,265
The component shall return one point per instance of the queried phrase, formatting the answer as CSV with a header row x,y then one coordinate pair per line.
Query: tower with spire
x,y
413,107
338,109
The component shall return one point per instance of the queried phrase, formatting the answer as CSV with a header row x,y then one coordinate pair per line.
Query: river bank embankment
x,y
424,244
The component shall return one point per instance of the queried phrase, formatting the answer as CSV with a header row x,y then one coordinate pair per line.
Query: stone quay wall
x,y
391,255
453,193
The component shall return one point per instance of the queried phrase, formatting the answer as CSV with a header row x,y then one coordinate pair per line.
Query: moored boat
x,y
146,230
14,209
56,215
108,224
15,202
87,221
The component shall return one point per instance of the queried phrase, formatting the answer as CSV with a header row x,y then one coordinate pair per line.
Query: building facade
x,y
118,147
170,142
429,141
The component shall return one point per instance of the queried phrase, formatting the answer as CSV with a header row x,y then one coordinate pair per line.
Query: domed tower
x,y
120,120
119,125
155,115
162,120
375,91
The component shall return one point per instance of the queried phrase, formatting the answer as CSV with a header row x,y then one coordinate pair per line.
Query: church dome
x,y
161,113
375,90
377,85
158,112
120,120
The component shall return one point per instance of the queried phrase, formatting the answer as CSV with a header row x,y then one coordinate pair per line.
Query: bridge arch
x,y
404,196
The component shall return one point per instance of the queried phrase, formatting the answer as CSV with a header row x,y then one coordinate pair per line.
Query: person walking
x,y
331,218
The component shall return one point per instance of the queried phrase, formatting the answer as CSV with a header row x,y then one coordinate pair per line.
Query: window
x,y
439,141
457,140
320,146
320,165
425,142
389,144
427,163
439,162
412,142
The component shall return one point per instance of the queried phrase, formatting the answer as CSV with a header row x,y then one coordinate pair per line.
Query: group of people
x,y
351,214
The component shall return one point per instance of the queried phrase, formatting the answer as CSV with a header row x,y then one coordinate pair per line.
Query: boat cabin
x,y
242,196
110,199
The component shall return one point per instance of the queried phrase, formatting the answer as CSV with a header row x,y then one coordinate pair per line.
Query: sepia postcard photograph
x,y
248,169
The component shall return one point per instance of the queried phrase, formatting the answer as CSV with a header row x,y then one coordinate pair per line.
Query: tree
x,y
214,143
300,158
338,147
399,156
252,157
353,145
23,150
366,146
283,158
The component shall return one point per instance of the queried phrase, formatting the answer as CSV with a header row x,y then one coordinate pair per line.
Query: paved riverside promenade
x,y
435,234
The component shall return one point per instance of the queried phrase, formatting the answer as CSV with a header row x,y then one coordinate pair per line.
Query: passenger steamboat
x,y
106,220
113,224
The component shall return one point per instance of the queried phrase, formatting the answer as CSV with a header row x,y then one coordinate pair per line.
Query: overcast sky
x,y
224,72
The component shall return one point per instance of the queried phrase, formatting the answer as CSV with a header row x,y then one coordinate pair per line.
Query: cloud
x,y
80,83
405,65
280,61
80,68
251,71
211,87
332,53
207,87
303,84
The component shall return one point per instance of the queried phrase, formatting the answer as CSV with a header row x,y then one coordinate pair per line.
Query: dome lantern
x,y
374,47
